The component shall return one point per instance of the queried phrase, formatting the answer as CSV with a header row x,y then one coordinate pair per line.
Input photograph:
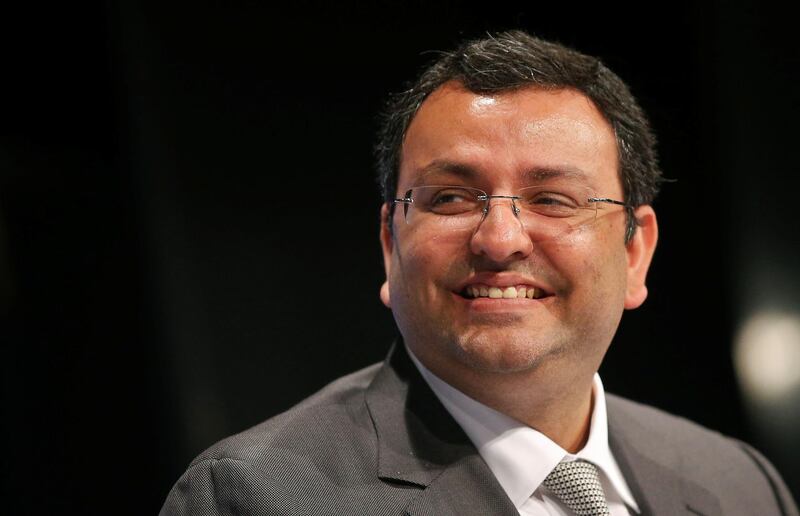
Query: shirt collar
x,y
519,456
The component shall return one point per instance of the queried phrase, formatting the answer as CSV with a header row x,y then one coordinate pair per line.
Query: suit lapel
x,y
420,444
465,487
657,487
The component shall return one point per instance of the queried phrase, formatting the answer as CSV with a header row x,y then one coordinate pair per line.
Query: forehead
x,y
502,137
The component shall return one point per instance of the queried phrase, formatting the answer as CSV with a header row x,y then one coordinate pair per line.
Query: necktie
x,y
578,486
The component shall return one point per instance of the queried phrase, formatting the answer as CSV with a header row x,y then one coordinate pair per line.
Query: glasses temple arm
x,y
611,201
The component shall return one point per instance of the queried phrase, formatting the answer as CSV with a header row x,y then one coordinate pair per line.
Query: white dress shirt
x,y
521,458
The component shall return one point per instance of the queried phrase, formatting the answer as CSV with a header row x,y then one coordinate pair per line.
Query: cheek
x,y
417,266
588,262
425,257
571,256
425,270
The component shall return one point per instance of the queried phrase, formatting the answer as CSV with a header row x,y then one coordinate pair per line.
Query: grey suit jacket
x,y
379,442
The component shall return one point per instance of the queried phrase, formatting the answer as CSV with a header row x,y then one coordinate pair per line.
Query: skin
x,y
532,359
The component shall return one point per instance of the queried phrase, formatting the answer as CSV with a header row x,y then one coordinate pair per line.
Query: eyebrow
x,y
469,173
561,172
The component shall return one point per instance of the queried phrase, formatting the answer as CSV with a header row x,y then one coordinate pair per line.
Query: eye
x,y
449,197
554,199
447,200
551,203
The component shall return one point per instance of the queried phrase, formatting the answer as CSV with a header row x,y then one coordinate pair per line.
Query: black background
x,y
189,219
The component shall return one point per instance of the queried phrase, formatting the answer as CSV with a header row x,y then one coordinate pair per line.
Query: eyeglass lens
x,y
546,210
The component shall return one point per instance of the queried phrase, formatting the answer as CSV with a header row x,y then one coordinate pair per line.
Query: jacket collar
x,y
420,444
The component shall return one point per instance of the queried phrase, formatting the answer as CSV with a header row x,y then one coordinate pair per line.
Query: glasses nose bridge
x,y
487,204
501,238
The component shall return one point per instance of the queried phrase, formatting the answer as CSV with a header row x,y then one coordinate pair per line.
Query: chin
x,y
506,353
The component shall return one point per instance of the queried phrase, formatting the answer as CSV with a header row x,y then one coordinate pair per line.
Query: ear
x,y
387,246
640,253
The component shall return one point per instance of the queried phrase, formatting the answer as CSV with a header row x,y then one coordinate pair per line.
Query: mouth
x,y
521,291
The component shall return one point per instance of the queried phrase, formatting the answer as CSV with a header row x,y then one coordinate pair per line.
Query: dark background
x,y
189,220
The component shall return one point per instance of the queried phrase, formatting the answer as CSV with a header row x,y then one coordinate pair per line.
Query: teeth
x,y
504,292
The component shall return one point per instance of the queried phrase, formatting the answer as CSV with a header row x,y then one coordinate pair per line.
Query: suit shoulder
x,y
727,467
655,429
319,457
658,421
334,412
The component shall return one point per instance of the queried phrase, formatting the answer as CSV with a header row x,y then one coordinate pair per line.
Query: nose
x,y
500,235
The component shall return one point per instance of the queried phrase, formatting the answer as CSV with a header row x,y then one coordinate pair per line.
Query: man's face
x,y
583,279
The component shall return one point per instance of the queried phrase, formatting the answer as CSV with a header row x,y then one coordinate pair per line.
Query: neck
x,y
555,403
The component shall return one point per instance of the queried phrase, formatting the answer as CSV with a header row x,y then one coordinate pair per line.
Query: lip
x,y
503,280
488,305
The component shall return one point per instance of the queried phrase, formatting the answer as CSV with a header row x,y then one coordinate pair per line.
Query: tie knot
x,y
577,484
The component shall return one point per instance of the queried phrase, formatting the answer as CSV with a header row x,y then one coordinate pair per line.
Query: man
x,y
516,228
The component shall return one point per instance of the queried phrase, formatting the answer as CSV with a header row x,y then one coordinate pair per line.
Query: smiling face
x,y
497,298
